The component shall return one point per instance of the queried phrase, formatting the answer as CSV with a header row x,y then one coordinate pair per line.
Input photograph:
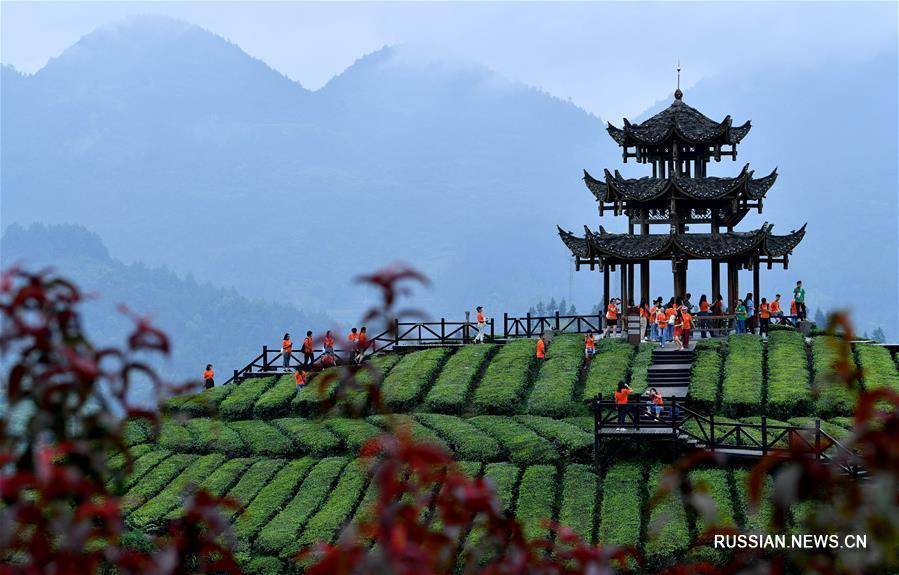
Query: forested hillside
x,y
207,324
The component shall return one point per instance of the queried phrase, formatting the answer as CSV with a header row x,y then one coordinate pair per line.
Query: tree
x,y
60,512
879,336
541,309
572,310
563,306
553,306
820,320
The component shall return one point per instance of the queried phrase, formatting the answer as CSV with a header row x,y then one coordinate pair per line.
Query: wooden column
x,y
675,273
605,290
716,279
623,293
630,285
756,287
733,285
644,280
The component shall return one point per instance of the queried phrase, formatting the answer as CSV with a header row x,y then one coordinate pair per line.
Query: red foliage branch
x,y
65,405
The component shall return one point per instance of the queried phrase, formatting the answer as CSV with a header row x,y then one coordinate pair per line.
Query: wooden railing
x,y
731,437
449,332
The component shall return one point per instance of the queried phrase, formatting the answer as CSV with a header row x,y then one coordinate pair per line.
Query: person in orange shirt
x,y
678,328
328,343
670,313
794,312
482,325
541,347
351,339
653,327
661,323
657,402
776,310
589,345
624,390
308,351
209,376
361,344
611,318
644,318
764,317
286,348
703,311
300,376
686,329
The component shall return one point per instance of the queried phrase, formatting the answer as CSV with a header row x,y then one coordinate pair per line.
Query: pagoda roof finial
x,y
678,94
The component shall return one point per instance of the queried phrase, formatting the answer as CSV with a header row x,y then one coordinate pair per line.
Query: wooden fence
x,y
445,332
709,433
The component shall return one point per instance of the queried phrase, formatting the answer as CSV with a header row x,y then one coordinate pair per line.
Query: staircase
x,y
670,370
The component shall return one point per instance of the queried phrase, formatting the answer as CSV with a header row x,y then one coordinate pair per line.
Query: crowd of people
x,y
659,322
357,343
676,320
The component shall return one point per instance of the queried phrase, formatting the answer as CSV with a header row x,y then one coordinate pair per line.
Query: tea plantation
x,y
520,422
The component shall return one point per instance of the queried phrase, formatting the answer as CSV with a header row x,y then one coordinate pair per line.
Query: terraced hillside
x,y
505,415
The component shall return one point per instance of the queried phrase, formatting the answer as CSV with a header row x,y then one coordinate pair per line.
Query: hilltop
x,y
521,424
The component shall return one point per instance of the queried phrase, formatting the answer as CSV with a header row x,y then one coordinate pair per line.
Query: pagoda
x,y
668,212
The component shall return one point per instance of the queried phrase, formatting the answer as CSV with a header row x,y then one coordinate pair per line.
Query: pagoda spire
x,y
678,94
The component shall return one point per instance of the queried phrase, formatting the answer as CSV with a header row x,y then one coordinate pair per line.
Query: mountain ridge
x,y
461,173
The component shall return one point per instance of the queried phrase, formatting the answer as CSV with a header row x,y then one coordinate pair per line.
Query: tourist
x,y
718,310
686,329
589,346
799,296
644,318
793,313
678,328
764,317
308,351
750,313
703,312
299,376
361,344
351,339
621,403
328,343
776,310
687,303
286,347
611,318
541,348
657,402
209,376
670,312
661,323
740,316
482,325
653,326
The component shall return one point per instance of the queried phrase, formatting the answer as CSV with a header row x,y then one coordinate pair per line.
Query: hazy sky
x,y
598,54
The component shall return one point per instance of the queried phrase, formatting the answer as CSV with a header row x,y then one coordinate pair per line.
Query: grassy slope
x,y
295,493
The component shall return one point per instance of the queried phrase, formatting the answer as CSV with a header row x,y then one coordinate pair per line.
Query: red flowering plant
x,y
65,404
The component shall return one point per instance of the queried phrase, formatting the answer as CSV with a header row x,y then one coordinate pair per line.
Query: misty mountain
x,y
205,323
181,150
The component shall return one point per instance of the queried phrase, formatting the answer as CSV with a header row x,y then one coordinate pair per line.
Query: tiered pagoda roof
x,y
617,188
634,247
679,142
687,123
